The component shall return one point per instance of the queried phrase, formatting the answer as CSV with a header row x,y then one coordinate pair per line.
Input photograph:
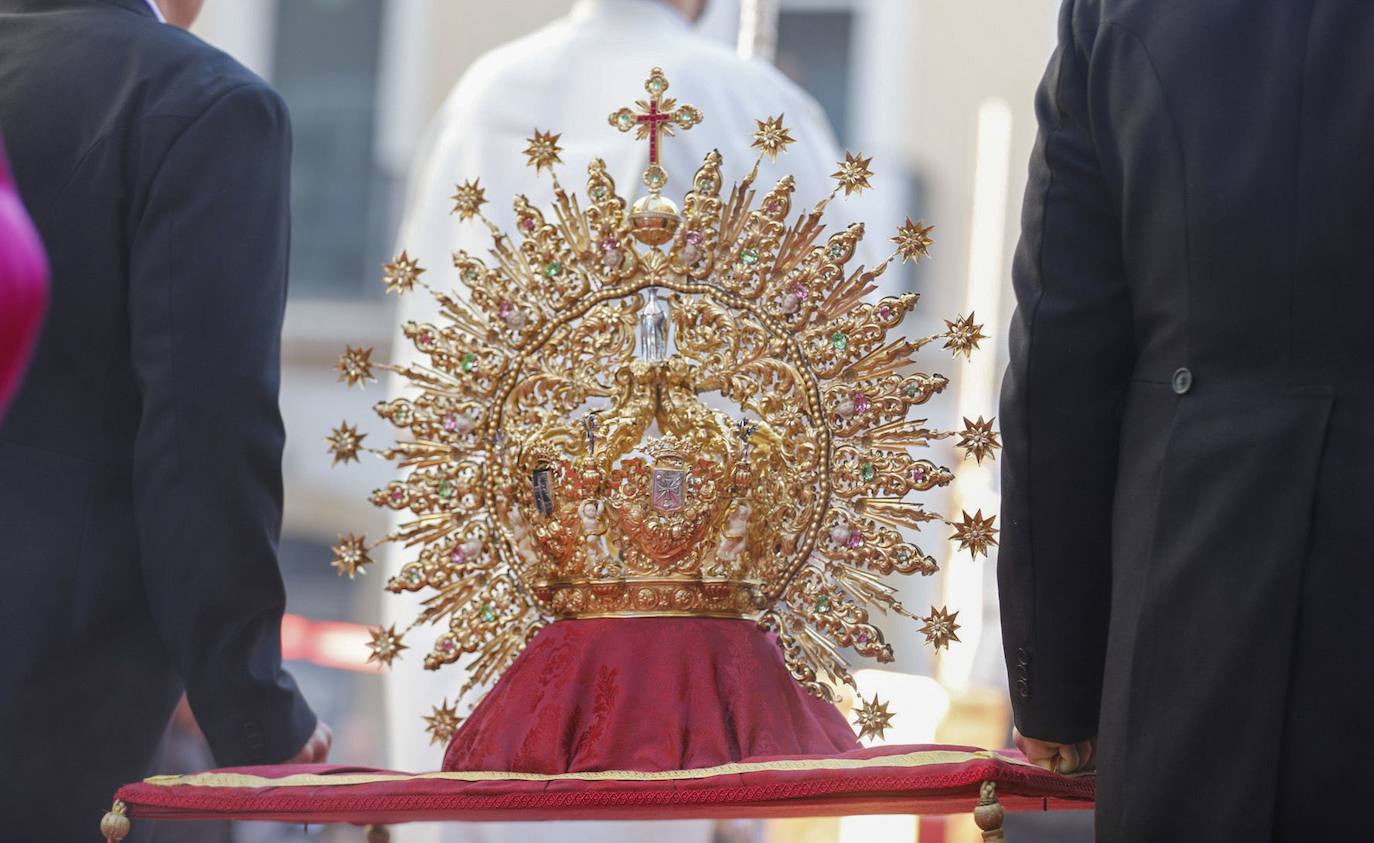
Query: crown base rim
x,y
650,597
664,613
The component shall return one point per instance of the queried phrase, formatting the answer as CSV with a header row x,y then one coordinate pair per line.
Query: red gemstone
x,y
397,495
451,422
919,475
609,243
694,238
860,403
799,290
862,638
505,309
774,206
527,223
884,312
426,338
856,539
459,555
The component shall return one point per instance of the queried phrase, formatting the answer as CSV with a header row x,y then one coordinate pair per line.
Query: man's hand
x,y
316,750
1058,757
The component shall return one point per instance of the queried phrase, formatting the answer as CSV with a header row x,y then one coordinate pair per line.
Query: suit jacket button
x,y
1183,380
1022,657
1023,688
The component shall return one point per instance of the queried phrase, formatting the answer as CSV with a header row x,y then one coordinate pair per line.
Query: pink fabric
x,y
645,694
23,286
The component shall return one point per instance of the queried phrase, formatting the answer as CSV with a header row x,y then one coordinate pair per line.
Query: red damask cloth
x,y
646,694
915,779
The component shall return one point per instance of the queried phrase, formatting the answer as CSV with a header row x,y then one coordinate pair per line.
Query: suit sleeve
x,y
1071,361
208,265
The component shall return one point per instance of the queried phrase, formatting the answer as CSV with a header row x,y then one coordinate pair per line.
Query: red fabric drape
x,y
645,694
23,285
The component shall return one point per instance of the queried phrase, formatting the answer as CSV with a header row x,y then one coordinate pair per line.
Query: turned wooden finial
x,y
115,825
988,813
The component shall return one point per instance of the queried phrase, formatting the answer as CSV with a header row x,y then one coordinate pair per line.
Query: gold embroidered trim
x,y
920,758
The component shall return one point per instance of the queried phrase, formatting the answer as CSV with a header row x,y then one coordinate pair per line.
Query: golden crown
x,y
561,462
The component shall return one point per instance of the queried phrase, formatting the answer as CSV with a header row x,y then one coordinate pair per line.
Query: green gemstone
x,y
657,86
866,471
655,179
553,268
911,390
903,554
822,604
749,256
836,250
414,576
469,275
839,340
598,192
445,489
469,362
706,185
488,612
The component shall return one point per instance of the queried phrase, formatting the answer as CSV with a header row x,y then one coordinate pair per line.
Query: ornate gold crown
x,y
562,464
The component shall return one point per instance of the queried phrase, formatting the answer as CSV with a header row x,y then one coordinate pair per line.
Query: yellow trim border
x,y
919,758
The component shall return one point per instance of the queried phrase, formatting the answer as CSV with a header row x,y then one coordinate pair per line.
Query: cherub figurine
x,y
594,535
523,537
734,540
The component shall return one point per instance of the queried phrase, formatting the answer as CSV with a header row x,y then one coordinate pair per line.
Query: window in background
x,y
814,51
327,56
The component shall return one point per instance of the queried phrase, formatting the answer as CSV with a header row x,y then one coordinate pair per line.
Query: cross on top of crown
x,y
657,118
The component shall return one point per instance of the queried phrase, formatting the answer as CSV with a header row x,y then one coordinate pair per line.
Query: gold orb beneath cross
x,y
654,220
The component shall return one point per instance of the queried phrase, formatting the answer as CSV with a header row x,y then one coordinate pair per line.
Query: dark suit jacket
x,y
1188,416
140,478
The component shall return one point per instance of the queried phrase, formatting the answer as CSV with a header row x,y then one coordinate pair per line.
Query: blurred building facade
x,y
939,92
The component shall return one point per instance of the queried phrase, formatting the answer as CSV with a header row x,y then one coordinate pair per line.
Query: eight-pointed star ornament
x,y
975,533
963,335
853,173
355,366
468,199
873,718
913,240
443,723
401,274
772,137
543,150
978,439
385,645
351,555
344,443
940,627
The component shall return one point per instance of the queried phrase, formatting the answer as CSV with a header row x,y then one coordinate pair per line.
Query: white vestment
x,y
567,78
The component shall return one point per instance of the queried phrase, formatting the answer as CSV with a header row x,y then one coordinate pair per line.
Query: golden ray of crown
x,y
533,488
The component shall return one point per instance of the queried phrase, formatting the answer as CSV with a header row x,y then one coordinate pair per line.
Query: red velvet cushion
x,y
897,779
632,718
